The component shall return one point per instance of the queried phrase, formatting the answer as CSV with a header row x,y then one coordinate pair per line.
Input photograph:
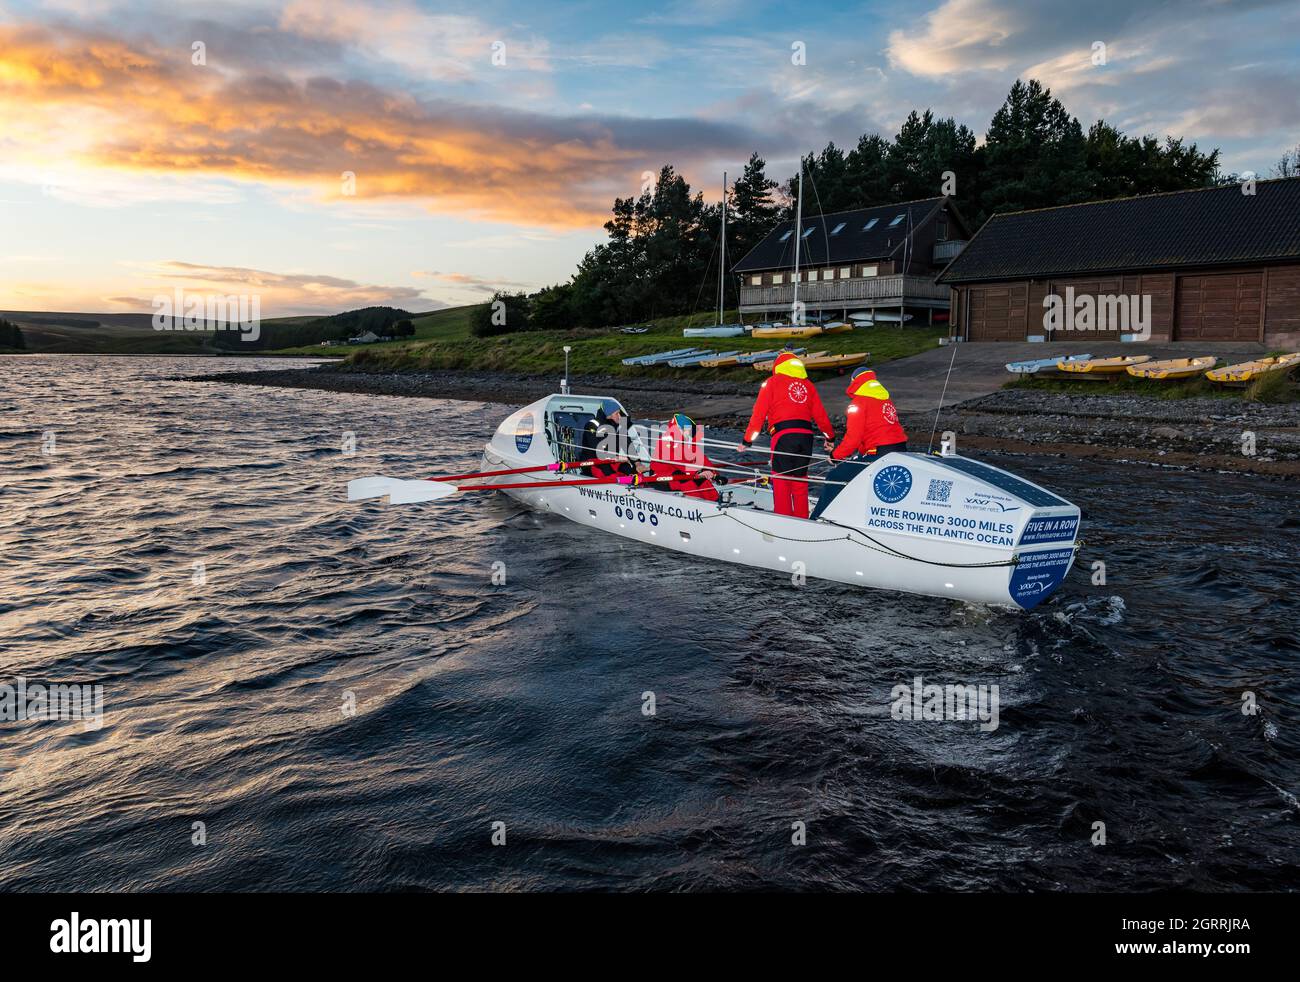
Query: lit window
x,y
897,219
756,280
845,272
870,225
777,278
787,235
828,274
838,228
812,276
869,270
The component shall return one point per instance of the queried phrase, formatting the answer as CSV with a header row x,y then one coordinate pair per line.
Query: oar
x,y
405,492
554,466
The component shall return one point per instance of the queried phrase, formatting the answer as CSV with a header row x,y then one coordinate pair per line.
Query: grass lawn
x,y
443,341
451,324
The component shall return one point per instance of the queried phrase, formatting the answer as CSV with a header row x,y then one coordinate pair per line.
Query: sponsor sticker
x,y
892,483
1037,575
1059,529
524,432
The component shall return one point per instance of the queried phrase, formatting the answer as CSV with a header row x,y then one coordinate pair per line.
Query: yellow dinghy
x,y
766,366
1173,367
786,331
822,362
726,362
1101,366
1248,371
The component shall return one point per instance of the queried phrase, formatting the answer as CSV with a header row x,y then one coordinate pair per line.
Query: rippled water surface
x,y
226,684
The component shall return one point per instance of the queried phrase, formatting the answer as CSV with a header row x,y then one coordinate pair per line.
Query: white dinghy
x,y
941,525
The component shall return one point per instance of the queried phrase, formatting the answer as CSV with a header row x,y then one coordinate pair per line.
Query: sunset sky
x,y
126,169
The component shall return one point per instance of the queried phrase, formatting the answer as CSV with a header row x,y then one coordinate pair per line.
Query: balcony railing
x,y
871,291
947,251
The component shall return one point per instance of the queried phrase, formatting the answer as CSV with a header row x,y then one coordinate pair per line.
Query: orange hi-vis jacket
x,y
873,420
788,398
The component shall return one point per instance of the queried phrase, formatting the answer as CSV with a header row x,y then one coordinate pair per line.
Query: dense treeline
x,y
662,252
11,335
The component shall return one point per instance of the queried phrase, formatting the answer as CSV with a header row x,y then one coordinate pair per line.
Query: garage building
x,y
1217,264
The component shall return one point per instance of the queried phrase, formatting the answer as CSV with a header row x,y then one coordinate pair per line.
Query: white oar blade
x,y
368,487
410,492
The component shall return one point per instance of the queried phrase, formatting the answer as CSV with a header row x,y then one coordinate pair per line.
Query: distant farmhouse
x,y
1219,264
885,257
369,337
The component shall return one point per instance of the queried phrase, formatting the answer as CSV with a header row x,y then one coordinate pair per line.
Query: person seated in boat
x,y
789,407
873,431
611,436
679,456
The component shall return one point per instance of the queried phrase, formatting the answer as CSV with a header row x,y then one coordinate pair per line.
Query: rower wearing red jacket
x,y
679,454
789,408
873,431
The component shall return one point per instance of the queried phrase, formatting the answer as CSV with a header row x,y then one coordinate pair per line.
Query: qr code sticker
x,y
939,491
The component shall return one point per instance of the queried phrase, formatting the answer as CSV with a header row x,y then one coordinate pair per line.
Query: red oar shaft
x,y
540,485
535,485
516,470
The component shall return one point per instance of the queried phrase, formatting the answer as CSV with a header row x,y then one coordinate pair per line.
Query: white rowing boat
x,y
943,526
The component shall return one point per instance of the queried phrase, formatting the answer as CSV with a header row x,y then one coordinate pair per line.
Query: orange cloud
x,y
136,107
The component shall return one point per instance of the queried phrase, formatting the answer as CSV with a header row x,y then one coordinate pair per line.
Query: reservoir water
x,y
301,693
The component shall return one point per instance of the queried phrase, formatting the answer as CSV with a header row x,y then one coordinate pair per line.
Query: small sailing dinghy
x,y
722,331
1248,371
1173,368
1101,366
942,526
1044,366
788,331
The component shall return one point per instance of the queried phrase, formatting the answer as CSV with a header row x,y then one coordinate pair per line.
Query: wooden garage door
x,y
1219,307
997,313
1098,290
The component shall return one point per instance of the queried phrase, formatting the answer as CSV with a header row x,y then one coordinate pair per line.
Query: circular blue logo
x,y
524,433
893,483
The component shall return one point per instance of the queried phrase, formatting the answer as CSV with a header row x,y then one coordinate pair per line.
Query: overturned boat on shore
x,y
938,525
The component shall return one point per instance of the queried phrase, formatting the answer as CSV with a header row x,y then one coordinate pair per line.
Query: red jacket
x,y
873,421
674,456
785,398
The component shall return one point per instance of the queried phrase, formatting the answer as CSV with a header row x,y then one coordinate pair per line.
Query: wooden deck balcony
x,y
863,293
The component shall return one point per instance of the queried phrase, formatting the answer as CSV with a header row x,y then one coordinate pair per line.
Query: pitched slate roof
x,y
851,244
1206,227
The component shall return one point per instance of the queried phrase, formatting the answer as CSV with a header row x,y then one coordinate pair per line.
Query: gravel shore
x,y
1202,434
1209,434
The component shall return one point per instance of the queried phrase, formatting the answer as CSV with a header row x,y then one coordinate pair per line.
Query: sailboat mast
x,y
798,237
722,262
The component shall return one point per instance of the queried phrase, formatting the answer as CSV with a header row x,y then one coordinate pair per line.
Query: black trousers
x,y
847,470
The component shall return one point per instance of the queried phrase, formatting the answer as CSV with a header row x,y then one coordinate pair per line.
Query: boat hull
x,y
1248,371
1174,368
1101,366
937,526
713,332
786,332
